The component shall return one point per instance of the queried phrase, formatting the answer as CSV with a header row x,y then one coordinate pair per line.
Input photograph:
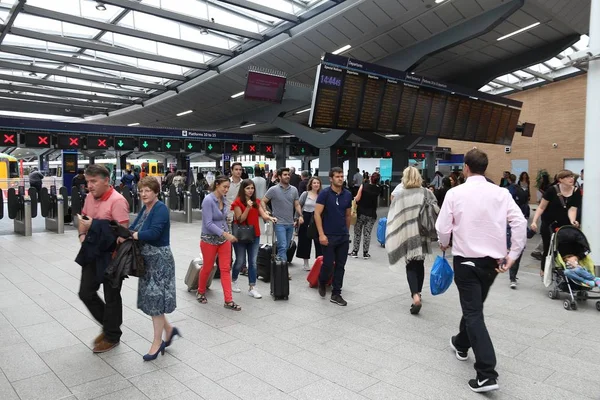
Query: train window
x,y
13,169
153,170
161,168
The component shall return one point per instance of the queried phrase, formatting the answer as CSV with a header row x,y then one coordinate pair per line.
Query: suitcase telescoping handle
x,y
274,253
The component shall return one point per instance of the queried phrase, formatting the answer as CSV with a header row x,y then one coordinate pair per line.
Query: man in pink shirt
x,y
103,203
475,214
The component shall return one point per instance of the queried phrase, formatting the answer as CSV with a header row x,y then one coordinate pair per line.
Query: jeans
x,y
209,253
473,283
241,249
284,234
579,275
109,314
415,273
335,252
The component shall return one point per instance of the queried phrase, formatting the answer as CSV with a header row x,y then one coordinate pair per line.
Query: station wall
x,y
558,112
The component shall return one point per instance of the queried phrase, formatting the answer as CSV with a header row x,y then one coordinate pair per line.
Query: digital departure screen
x,y
355,95
264,87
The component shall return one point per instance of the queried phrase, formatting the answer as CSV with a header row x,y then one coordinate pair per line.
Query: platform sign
x,y
192,146
214,147
98,142
251,148
39,140
233,148
125,143
145,144
171,146
8,139
69,142
267,149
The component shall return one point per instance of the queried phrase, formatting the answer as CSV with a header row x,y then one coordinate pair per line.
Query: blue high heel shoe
x,y
174,333
161,350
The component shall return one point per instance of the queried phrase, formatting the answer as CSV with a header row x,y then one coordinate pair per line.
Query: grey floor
x,y
304,348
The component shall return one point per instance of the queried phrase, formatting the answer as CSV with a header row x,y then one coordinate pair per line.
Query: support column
x,y
280,154
590,212
352,166
429,166
327,160
399,163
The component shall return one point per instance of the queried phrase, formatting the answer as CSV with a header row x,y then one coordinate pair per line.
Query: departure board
x,y
355,95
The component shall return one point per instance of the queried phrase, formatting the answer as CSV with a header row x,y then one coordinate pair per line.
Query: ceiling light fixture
x,y
393,135
235,96
342,49
246,126
185,112
518,31
204,31
303,111
33,74
439,1
100,6
133,124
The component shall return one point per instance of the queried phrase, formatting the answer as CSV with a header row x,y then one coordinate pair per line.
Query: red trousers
x,y
209,253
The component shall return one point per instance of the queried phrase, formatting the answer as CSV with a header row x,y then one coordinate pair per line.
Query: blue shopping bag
x,y
441,275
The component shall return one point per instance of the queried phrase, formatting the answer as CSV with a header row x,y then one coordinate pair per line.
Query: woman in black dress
x,y
558,208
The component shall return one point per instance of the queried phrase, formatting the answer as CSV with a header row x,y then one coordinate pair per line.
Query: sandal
x,y
415,308
201,299
233,306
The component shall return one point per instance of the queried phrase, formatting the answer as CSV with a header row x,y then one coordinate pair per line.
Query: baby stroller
x,y
568,240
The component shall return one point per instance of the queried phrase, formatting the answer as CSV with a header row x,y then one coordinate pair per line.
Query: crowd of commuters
x,y
470,207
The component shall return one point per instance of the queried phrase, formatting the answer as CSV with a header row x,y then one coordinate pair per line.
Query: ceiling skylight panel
x,y
194,8
37,44
47,25
196,35
130,42
228,18
80,8
168,50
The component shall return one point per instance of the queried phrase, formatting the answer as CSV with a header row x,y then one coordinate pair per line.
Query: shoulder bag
x,y
427,216
243,232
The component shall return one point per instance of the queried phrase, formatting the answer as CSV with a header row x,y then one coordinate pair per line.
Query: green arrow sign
x,y
168,145
190,146
120,143
345,152
210,146
145,144
302,150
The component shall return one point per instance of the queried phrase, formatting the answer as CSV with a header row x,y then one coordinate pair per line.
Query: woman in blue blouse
x,y
156,289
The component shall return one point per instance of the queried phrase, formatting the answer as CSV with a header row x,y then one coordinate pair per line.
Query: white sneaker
x,y
306,266
254,293
234,287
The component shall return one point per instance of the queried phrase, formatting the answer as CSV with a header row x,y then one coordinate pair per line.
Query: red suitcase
x,y
313,275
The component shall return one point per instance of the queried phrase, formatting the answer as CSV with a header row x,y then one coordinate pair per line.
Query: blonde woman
x,y
403,243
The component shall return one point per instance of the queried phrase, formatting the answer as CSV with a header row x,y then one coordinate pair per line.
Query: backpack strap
x,y
560,196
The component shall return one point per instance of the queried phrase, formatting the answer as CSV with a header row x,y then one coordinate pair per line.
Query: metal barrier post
x,y
187,207
22,224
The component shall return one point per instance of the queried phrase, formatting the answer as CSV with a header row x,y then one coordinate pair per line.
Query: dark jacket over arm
x,y
100,241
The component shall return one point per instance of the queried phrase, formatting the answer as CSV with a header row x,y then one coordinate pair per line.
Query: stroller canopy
x,y
571,240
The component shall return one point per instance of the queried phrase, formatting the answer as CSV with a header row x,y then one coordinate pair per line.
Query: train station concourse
x,y
156,154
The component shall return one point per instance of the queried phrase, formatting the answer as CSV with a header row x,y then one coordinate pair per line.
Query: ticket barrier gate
x,y
22,208
179,202
53,209
197,196
133,199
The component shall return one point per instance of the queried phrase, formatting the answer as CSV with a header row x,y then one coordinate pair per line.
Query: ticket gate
x,y
53,209
21,208
197,196
180,204
133,200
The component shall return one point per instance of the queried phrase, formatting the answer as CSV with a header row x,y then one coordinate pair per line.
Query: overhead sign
x,y
125,143
145,144
8,139
98,142
267,150
214,147
251,148
39,140
355,95
69,142
387,154
417,155
192,146
171,146
233,148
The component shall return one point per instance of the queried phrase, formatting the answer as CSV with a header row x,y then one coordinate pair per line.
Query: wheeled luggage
x,y
291,251
381,225
315,271
193,274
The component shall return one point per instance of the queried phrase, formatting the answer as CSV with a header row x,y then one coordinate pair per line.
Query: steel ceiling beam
x,y
12,15
50,101
103,26
262,9
98,46
59,100
38,108
63,93
90,63
72,86
538,74
507,84
186,19
77,75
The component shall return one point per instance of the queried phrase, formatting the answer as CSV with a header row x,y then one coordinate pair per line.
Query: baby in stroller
x,y
577,273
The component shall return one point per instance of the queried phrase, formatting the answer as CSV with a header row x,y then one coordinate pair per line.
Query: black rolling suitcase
x,y
280,283
291,251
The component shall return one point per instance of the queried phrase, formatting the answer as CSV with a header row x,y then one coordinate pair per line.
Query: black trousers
x,y
109,315
415,273
304,242
514,270
473,278
546,233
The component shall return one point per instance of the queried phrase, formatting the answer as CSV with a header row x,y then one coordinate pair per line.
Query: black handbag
x,y
243,233
311,230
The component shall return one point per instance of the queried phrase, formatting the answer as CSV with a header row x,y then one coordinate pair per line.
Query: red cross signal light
x,y
43,140
74,141
387,154
250,148
101,142
417,156
267,149
39,140
8,139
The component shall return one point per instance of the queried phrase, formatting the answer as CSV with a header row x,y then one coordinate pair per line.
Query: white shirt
x,y
260,186
234,189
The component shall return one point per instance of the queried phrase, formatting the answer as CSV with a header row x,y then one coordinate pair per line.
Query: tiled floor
x,y
304,348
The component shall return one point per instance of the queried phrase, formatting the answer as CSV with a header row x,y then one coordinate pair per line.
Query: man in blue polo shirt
x,y
332,218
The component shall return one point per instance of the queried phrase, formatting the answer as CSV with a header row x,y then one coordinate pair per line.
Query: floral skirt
x,y
156,289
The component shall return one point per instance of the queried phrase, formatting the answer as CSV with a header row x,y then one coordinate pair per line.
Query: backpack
x,y
519,194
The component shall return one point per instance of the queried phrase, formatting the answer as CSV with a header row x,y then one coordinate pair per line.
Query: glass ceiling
x,y
539,74
90,57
